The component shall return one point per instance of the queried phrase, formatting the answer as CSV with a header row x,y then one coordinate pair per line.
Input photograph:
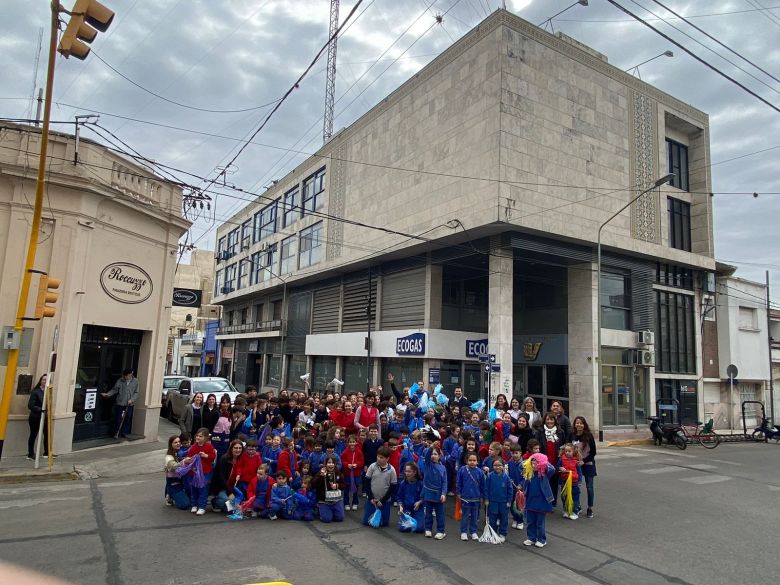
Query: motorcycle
x,y
672,433
765,432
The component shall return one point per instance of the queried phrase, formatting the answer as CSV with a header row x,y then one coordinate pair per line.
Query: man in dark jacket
x,y
458,399
126,389
35,405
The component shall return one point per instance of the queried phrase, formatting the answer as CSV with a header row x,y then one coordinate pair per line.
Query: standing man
x,y
126,389
458,399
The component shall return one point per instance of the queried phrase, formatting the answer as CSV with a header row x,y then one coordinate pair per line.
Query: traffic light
x,y
46,296
86,16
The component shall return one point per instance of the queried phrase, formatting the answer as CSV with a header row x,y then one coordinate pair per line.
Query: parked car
x,y
169,383
181,397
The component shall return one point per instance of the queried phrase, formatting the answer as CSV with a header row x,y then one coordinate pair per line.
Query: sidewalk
x,y
120,458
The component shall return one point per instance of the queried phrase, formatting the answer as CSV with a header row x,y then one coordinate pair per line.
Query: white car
x,y
169,383
181,397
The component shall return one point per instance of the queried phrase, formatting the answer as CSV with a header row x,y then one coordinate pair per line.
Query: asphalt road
x,y
662,517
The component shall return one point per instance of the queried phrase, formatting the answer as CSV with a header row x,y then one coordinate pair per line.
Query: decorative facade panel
x,y
645,218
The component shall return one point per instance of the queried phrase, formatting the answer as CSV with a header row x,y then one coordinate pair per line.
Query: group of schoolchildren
x,y
510,461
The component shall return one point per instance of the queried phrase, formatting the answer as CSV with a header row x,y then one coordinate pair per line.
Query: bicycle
x,y
702,433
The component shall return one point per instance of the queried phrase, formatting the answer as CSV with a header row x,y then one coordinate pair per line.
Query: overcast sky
x,y
238,54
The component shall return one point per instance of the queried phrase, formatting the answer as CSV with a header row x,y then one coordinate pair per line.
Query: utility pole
x,y
85,15
769,340
330,73
368,339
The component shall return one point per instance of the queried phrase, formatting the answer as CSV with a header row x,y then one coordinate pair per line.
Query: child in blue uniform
x,y
538,497
470,487
281,498
434,492
515,472
409,497
499,494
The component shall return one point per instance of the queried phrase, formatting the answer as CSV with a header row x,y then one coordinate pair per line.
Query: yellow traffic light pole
x,y
32,245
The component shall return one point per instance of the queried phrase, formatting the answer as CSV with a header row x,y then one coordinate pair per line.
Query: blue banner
x,y
413,344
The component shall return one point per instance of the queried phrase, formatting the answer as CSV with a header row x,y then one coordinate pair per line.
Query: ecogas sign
x,y
476,347
126,283
413,344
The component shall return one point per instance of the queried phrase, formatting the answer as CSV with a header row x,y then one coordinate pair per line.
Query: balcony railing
x,y
262,326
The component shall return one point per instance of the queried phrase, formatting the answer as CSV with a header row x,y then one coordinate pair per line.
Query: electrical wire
x,y
692,54
174,102
687,16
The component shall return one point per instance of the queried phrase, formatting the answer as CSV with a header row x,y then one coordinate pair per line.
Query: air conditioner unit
x,y
226,290
643,357
646,338
264,246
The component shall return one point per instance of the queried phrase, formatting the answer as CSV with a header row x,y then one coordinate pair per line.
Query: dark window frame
x,y
677,163
679,213
675,335
614,305
291,207
313,186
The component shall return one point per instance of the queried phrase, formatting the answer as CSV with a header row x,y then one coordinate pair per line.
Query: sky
x,y
219,56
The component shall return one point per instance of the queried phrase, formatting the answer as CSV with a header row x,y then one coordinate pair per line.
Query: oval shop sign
x,y
126,283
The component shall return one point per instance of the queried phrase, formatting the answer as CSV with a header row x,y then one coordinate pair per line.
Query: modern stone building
x,y
460,215
110,232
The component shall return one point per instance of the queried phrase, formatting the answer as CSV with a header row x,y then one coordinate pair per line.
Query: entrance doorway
x,y
544,383
105,352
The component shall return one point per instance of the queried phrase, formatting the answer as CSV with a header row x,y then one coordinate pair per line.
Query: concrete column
x,y
500,313
584,375
433,275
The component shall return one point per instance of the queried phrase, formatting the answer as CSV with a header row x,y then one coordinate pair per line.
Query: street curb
x,y
629,442
41,476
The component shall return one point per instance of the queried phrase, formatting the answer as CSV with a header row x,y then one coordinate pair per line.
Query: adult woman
x,y
192,418
210,413
583,438
514,409
223,482
550,438
501,405
534,416
563,421
35,405
367,414
523,431
225,401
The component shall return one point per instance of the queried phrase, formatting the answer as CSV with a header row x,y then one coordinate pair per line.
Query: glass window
x,y
218,283
323,371
676,276
615,301
296,367
257,223
679,224
258,312
289,256
244,315
230,278
232,242
246,234
406,373
268,220
675,336
311,245
356,374
276,310
312,189
222,245
256,268
677,163
291,209
274,374
243,273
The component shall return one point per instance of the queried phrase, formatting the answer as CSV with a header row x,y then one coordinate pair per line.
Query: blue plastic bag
x,y
413,389
376,519
492,415
408,522
478,406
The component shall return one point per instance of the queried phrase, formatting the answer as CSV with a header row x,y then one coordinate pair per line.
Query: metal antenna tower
x,y
35,73
330,79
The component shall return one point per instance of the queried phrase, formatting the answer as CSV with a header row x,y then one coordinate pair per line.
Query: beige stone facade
x,y
104,219
514,144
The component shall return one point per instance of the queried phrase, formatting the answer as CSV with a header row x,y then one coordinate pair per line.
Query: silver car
x,y
181,397
169,383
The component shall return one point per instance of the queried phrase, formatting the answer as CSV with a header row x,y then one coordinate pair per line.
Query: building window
x,y
272,261
615,301
675,336
274,375
243,273
259,313
676,276
276,310
679,224
230,279
246,234
268,220
289,258
748,318
218,283
296,367
232,243
677,163
222,246
256,268
311,245
312,189
291,209
244,315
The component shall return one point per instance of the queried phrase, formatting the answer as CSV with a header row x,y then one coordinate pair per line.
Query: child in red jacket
x,y
246,467
288,460
258,493
352,462
203,449
568,465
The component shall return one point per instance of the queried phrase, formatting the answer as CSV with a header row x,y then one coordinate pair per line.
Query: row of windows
x,y
292,253
292,206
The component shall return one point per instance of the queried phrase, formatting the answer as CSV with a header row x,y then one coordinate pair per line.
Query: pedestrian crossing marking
x,y
705,479
657,470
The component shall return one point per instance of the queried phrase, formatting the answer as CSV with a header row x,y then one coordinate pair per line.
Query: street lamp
x,y
635,68
544,22
597,362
